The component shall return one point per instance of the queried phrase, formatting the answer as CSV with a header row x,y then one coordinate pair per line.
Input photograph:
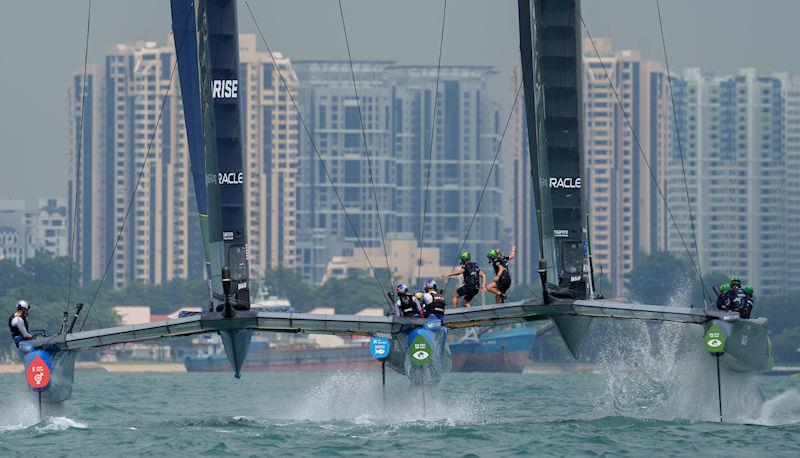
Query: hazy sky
x,y
41,45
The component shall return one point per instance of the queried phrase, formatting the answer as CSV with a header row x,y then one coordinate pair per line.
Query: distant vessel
x,y
498,350
268,356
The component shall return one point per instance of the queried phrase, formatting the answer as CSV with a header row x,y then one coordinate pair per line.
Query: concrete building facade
x,y
791,145
397,104
733,146
271,133
626,211
161,238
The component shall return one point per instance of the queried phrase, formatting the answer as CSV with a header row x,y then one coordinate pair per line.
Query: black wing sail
x,y
552,78
215,90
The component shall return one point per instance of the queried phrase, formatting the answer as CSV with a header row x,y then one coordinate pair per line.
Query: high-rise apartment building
x,y
625,210
463,146
123,105
626,213
332,114
271,134
26,232
732,139
791,145
517,188
161,238
50,227
397,104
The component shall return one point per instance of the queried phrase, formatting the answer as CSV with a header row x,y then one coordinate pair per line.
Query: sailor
x,y
474,279
437,304
18,323
404,305
502,278
723,298
421,300
748,302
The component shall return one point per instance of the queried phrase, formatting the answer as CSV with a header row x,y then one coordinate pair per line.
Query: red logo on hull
x,y
38,374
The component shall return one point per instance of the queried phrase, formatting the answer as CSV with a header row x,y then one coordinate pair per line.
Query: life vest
x,y
438,305
738,300
471,275
748,307
407,306
14,331
501,261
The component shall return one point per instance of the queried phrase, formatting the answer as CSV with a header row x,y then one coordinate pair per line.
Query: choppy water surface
x,y
343,413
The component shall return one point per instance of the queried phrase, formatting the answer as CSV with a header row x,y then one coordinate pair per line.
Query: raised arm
x,y
453,274
513,252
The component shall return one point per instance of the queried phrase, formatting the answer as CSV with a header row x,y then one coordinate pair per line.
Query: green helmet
x,y
464,256
735,281
748,290
491,254
724,288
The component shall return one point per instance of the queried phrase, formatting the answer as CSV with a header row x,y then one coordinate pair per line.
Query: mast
x,y
208,65
552,77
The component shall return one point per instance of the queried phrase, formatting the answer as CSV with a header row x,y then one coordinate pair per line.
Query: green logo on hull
x,y
420,351
715,340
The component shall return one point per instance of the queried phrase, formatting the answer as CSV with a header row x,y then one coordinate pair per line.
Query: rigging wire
x,y
78,157
488,178
136,186
314,147
430,145
366,147
680,150
639,146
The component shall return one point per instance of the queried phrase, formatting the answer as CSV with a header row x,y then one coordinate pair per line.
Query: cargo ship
x,y
495,350
269,356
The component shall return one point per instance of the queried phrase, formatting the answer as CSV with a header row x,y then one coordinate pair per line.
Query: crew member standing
x,y
18,323
474,280
502,277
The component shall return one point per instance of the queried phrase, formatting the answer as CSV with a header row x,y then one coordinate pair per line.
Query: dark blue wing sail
x,y
208,63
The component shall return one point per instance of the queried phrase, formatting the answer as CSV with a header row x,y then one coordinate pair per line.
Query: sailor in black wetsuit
x,y
18,323
404,306
437,304
723,296
502,277
748,302
474,279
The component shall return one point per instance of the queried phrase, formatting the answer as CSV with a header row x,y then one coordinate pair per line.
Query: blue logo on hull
x,y
379,347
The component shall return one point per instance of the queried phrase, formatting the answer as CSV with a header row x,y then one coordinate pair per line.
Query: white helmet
x,y
23,305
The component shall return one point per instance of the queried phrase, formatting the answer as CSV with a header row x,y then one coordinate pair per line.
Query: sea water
x,y
655,393
279,414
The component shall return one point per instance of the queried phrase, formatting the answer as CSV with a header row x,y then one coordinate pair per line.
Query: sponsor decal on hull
x,y
715,340
420,351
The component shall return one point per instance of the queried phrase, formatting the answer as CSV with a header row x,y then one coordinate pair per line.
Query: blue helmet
x,y
402,288
430,284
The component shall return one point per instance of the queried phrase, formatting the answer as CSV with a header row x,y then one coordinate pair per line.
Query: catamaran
x,y
206,44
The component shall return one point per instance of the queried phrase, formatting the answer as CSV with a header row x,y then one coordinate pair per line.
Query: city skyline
x,y
478,33
640,228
